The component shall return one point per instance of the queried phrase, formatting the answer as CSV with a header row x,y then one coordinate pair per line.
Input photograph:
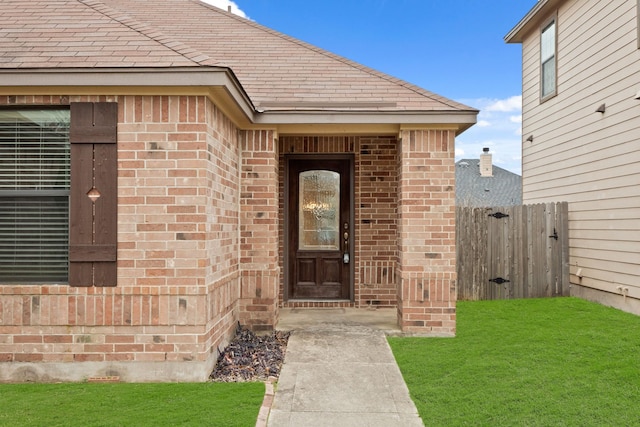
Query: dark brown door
x,y
319,227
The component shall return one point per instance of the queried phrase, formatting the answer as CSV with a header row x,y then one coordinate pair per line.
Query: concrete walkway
x,y
339,371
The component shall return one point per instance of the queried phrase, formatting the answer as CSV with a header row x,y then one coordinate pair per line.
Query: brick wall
x,y
200,216
375,227
259,230
377,203
426,245
178,255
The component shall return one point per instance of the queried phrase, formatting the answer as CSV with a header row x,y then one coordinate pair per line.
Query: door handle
x,y
345,235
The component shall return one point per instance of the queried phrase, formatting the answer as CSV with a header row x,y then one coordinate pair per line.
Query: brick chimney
x,y
486,166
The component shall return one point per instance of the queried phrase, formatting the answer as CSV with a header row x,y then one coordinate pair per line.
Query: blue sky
x,y
454,48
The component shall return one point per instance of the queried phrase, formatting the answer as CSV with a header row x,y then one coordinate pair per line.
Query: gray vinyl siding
x,y
589,159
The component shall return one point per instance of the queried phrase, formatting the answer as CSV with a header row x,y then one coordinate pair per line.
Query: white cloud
x,y
513,103
224,4
499,127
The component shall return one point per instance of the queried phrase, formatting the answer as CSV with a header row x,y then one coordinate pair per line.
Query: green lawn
x,y
534,362
171,404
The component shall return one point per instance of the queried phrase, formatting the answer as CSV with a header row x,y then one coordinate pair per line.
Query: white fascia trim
x,y
130,77
462,119
217,81
413,117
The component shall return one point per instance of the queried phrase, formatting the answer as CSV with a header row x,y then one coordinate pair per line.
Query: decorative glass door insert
x,y
319,210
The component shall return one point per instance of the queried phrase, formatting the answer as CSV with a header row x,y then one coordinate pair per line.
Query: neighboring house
x,y
480,183
168,169
581,136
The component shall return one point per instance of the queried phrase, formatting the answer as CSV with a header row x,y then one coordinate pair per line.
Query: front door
x,y
319,215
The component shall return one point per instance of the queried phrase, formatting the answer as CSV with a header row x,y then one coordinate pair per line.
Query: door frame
x,y
287,212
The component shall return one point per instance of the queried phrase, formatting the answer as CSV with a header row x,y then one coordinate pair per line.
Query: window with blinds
x,y
34,195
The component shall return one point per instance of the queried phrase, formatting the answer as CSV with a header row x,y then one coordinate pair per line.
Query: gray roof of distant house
x,y
504,188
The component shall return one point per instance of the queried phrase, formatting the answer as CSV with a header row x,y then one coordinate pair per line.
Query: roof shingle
x,y
278,72
82,33
504,188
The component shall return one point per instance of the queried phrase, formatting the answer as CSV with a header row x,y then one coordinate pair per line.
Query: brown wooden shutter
x,y
93,234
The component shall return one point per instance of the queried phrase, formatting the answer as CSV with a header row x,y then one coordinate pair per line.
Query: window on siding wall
x,y
548,69
34,195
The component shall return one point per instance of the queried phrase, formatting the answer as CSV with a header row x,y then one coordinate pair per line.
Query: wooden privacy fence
x,y
512,252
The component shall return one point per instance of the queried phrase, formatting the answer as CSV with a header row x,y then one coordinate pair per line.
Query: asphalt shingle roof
x,y
80,34
504,188
278,72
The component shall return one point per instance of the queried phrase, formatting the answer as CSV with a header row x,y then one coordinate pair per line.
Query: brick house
x,y
168,170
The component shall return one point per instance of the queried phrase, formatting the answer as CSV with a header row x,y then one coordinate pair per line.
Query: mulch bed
x,y
251,357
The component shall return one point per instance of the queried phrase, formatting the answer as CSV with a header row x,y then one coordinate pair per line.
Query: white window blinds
x,y
34,195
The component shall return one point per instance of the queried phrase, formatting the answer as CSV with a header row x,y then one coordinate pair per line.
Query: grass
x,y
167,404
534,362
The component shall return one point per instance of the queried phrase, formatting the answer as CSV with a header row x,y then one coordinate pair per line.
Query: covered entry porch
x,y
392,233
